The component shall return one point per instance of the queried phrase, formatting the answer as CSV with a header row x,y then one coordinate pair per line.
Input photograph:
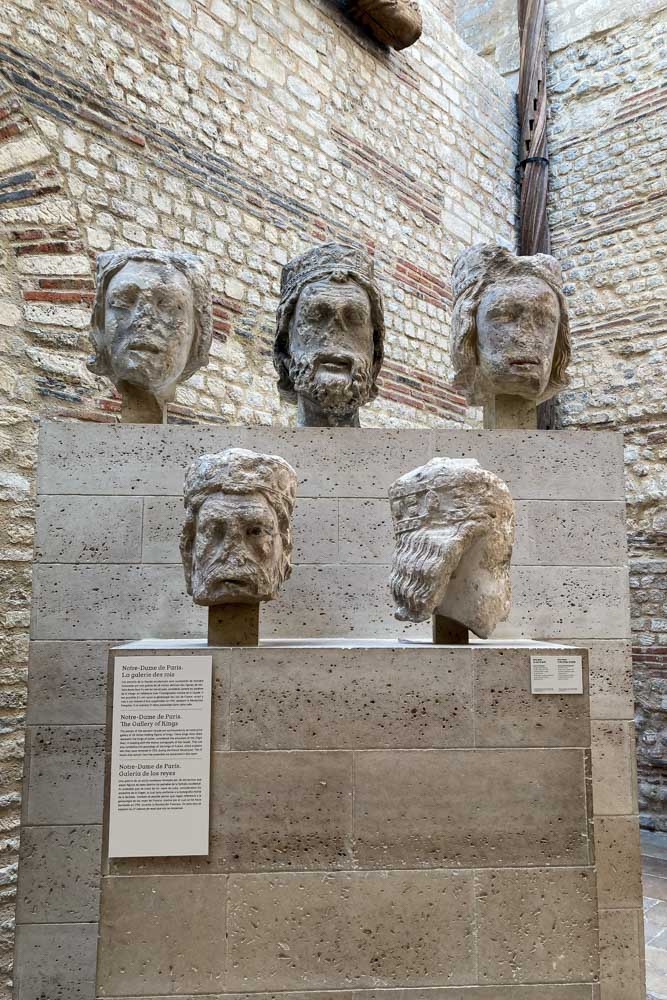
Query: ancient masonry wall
x,y
608,148
245,131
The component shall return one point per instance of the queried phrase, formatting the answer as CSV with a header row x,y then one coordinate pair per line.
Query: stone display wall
x,y
608,149
243,130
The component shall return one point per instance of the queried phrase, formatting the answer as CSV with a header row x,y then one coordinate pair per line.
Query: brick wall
x,y
608,148
244,131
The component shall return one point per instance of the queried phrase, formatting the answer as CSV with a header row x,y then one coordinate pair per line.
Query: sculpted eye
x,y
255,531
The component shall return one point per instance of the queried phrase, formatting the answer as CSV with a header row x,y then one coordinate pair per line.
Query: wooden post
x,y
447,632
233,625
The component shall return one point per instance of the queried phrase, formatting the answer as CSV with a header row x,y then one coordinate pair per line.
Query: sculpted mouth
x,y
145,346
524,362
335,363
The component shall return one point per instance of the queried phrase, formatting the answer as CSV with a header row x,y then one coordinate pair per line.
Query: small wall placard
x,y
160,756
556,675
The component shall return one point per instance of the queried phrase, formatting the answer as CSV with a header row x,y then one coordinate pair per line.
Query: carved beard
x,y
212,581
337,396
423,563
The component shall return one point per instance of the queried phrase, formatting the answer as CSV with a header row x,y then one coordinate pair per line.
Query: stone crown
x,y
489,260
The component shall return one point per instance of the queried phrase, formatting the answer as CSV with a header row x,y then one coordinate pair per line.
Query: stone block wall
x,y
243,130
608,149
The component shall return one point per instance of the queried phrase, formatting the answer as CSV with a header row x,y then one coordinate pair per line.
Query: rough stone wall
x,y
608,148
245,131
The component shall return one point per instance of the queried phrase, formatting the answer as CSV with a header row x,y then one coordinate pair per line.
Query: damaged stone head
x,y
454,527
151,324
329,335
510,331
236,541
397,23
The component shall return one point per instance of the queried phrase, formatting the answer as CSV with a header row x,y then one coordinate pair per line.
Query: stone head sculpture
x,y
454,526
329,335
151,324
236,541
397,23
510,330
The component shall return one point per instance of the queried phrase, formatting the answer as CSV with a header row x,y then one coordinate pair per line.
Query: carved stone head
x,y
236,542
151,324
392,22
510,328
329,335
454,526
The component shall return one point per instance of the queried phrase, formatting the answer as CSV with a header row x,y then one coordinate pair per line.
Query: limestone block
x,y
350,698
614,771
63,775
67,683
55,961
313,931
507,714
611,685
161,935
575,991
621,955
59,874
88,529
366,533
470,808
570,533
162,520
519,935
618,861
560,601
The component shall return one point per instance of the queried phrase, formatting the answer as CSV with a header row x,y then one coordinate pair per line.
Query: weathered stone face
x,y
397,23
454,525
236,542
331,350
149,313
517,326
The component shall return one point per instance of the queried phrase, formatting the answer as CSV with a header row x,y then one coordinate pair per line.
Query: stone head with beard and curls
x,y
454,527
510,333
329,340
236,542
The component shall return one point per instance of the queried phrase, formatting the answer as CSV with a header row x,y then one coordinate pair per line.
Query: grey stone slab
x,y
161,935
470,808
163,519
614,770
67,683
138,460
100,529
570,533
611,689
507,714
59,874
621,955
55,961
301,698
544,465
337,930
366,532
64,775
537,925
618,861
562,992
551,602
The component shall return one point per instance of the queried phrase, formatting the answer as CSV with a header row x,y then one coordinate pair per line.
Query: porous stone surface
x,y
510,333
454,526
329,341
236,540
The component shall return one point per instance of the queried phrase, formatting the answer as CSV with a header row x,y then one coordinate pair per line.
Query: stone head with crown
x,y
329,339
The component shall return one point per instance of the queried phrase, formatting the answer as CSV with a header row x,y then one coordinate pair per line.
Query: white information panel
x,y
160,756
556,675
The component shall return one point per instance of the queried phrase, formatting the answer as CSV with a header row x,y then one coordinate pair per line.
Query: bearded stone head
x,y
510,333
151,325
329,335
454,527
236,542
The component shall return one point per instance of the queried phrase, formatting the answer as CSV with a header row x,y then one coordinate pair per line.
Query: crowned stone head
x,y
329,335
510,332
454,528
236,541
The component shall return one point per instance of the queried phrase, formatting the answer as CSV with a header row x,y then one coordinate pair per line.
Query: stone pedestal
x,y
392,816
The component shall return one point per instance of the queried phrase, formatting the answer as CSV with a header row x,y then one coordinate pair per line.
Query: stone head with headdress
x,y
329,341
236,542
510,331
151,325
454,528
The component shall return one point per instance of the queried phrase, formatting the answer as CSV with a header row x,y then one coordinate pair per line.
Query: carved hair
x,y
113,261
